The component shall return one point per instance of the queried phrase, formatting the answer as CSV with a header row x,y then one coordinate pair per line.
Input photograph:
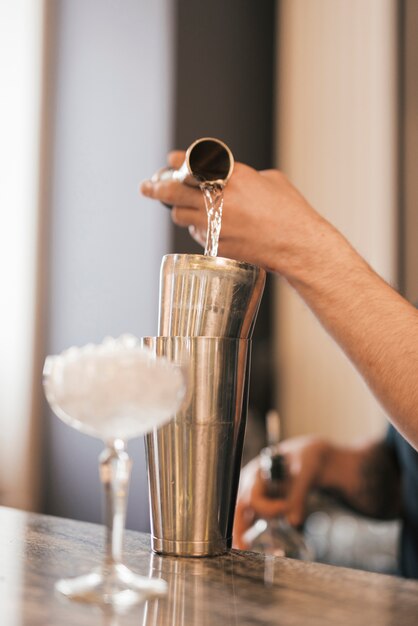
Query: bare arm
x,y
367,479
266,221
373,324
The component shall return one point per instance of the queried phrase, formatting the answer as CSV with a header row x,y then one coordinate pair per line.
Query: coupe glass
x,y
115,391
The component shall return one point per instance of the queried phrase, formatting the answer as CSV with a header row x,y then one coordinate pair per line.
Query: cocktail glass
x,y
115,391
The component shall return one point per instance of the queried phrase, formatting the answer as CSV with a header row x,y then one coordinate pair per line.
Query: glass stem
x,y
115,470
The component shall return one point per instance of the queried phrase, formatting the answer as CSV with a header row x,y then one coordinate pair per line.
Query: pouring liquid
x,y
213,194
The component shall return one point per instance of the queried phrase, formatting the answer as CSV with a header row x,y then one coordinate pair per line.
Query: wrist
x,y
307,251
320,259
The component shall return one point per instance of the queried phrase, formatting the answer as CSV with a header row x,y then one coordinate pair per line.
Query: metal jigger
x,y
208,307
207,160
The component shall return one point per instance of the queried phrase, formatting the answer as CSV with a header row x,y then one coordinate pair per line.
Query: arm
x,y
366,478
372,323
267,222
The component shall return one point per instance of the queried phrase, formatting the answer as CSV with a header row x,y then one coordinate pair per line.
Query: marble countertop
x,y
240,588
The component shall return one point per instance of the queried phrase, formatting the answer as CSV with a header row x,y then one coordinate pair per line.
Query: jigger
x,y
208,160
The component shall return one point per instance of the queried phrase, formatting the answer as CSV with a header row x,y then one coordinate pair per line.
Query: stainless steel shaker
x,y
194,460
204,296
208,307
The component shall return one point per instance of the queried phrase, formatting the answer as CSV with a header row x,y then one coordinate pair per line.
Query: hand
x,y
305,459
263,214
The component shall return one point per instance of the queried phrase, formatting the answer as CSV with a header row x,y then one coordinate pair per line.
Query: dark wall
x,y
224,82
225,89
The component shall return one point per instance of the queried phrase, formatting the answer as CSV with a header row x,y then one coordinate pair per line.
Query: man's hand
x,y
254,202
366,478
305,458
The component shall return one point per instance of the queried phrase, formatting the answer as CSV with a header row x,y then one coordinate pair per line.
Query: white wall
x,y
336,139
21,32
111,128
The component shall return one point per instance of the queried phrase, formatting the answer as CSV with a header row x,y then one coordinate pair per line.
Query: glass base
x,y
114,585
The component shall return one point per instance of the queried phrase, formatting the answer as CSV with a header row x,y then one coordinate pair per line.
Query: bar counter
x,y
240,588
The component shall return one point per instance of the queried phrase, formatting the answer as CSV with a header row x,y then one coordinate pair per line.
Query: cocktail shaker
x,y
203,296
208,307
194,460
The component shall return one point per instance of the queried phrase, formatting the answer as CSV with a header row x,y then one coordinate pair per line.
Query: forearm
x,y
372,323
365,478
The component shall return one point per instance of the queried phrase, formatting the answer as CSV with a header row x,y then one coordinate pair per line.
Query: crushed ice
x,y
116,389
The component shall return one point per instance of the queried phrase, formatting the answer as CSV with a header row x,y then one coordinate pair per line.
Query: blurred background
x,y
93,95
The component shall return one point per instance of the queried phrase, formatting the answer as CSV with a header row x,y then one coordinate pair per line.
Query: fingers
x,y
198,235
264,506
247,512
192,219
244,518
185,216
270,507
173,192
176,158
253,504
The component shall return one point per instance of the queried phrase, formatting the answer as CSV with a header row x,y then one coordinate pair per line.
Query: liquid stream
x,y
213,195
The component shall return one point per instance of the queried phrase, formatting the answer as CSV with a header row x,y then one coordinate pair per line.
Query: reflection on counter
x,y
188,601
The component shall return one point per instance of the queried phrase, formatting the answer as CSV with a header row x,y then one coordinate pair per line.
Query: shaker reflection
x,y
200,592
